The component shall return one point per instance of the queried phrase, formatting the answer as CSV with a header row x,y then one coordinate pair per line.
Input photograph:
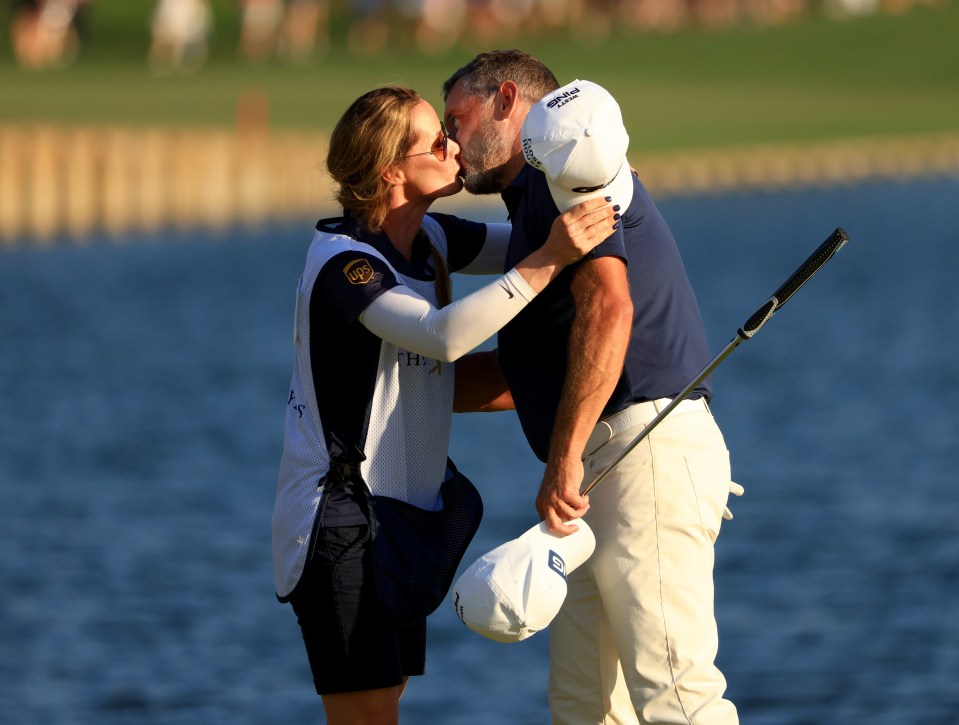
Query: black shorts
x,y
350,641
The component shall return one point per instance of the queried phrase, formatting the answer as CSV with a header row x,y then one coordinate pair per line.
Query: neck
x,y
402,225
512,168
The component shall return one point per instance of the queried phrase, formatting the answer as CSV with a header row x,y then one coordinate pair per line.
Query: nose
x,y
452,146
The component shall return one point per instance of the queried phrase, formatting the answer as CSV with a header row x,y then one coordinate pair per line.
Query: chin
x,y
481,185
454,187
488,181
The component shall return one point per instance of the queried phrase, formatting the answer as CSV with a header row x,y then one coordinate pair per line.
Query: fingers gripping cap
x,y
575,135
518,588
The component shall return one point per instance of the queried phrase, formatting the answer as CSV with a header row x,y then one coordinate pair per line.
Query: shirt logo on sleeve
x,y
358,271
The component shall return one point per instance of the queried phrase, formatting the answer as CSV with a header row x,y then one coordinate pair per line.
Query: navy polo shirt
x,y
668,346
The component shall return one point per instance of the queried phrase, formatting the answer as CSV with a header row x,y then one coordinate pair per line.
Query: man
x,y
589,363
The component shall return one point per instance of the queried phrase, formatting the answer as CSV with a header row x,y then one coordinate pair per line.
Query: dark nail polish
x,y
616,225
616,208
609,198
617,216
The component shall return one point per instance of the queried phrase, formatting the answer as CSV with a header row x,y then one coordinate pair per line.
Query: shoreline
x,y
76,181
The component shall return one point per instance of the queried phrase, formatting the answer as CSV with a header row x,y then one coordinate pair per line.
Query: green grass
x,y
812,80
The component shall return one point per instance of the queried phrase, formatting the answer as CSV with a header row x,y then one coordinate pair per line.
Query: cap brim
x,y
620,189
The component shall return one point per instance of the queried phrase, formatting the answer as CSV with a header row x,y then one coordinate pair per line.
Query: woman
x,y
373,391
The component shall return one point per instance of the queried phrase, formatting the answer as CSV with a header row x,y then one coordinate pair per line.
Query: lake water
x,y
142,392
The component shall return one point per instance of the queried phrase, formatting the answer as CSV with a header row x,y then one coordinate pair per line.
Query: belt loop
x,y
602,434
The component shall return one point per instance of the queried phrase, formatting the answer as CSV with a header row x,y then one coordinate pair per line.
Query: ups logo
x,y
358,271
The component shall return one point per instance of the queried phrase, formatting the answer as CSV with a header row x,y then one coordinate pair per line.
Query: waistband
x,y
637,415
643,413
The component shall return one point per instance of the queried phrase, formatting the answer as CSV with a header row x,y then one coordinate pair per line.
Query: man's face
x,y
486,146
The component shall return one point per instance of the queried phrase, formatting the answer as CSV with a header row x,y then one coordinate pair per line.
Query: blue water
x,y
142,390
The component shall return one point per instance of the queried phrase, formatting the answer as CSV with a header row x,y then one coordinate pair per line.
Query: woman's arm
x,y
404,318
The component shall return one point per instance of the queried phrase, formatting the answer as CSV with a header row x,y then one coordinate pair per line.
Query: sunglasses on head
x,y
439,147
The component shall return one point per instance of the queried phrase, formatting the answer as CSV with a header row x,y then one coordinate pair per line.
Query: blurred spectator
x,y
305,30
849,8
663,16
497,22
715,13
48,34
434,26
547,15
259,26
293,30
368,32
44,33
591,21
181,29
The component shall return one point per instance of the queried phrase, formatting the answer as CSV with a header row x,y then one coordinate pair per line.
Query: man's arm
x,y
597,350
480,385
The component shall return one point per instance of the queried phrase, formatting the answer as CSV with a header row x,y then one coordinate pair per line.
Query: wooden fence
x,y
73,181
59,181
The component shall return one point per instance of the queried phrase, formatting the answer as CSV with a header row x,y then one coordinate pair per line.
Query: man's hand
x,y
559,500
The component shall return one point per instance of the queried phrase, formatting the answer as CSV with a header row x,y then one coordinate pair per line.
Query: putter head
x,y
518,588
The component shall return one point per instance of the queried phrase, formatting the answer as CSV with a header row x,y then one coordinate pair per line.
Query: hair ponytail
x,y
443,284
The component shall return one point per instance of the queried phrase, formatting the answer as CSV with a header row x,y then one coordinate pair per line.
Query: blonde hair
x,y
374,132
443,285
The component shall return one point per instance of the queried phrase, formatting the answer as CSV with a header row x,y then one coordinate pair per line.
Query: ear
x,y
394,175
507,101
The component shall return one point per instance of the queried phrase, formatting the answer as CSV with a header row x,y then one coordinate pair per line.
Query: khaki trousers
x,y
636,639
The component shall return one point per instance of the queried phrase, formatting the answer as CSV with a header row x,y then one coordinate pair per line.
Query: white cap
x,y
516,589
576,136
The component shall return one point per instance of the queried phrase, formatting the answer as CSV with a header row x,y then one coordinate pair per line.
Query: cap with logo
x,y
575,135
518,588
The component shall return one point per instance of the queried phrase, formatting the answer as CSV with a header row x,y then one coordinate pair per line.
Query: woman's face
x,y
431,172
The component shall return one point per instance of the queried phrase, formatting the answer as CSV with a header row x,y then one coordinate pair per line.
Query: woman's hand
x,y
573,234
577,231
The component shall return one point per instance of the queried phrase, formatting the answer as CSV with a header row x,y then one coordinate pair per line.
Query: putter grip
x,y
798,278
